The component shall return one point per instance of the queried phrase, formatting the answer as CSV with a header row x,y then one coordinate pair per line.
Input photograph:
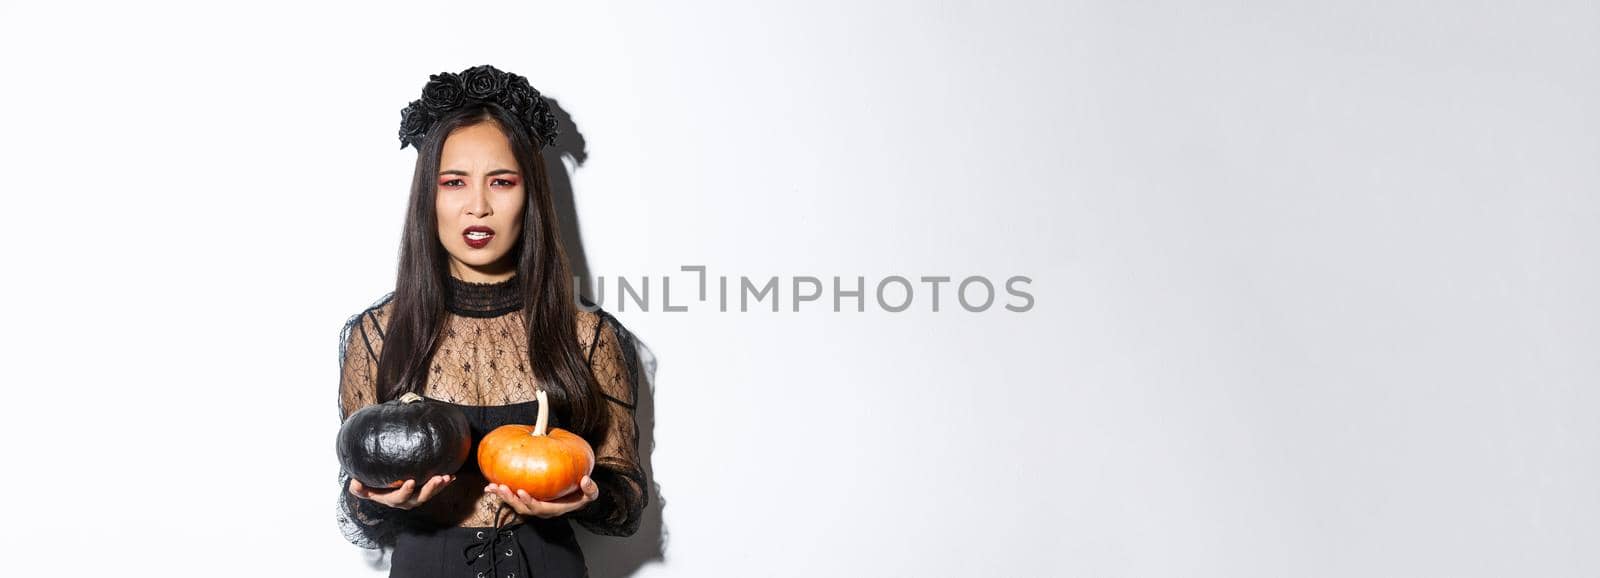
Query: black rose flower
x,y
448,91
414,122
543,123
517,100
483,82
443,92
519,82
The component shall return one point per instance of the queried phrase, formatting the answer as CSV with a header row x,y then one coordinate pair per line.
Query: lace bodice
x,y
481,364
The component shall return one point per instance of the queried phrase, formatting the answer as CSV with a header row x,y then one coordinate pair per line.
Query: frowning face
x,y
479,202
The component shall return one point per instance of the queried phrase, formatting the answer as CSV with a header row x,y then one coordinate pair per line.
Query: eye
x,y
451,183
503,183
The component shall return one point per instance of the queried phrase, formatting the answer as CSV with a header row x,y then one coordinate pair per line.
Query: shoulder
x,y
587,323
597,327
371,322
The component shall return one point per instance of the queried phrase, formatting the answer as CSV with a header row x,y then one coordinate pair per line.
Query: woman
x,y
481,316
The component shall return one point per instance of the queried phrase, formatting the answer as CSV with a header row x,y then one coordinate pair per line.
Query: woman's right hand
x,y
404,496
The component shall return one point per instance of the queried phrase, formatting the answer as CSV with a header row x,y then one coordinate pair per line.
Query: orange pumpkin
x,y
546,465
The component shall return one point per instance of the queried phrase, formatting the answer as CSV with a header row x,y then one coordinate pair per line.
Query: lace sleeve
x,y
623,485
364,523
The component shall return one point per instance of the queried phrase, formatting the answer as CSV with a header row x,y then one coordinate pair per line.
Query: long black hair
x,y
416,322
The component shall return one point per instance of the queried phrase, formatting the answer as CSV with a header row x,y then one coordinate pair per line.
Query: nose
x,y
478,203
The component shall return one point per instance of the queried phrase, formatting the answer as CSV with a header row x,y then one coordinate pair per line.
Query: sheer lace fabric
x,y
482,365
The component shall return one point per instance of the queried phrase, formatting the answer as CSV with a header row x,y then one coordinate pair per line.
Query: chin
x,y
479,262
476,257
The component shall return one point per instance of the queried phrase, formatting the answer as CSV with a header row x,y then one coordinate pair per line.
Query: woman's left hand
x,y
529,506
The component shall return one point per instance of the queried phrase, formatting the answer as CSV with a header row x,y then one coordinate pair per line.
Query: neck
x,y
482,275
483,299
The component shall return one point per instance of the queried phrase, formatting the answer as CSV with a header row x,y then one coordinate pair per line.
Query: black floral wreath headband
x,y
447,91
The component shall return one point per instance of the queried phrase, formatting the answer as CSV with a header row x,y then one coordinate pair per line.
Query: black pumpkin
x,y
411,438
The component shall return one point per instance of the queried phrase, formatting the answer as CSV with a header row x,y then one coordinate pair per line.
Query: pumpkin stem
x,y
544,412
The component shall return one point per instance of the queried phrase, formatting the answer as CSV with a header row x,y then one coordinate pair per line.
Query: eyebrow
x,y
489,174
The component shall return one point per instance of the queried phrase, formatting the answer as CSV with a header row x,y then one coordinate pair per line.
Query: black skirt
x,y
536,548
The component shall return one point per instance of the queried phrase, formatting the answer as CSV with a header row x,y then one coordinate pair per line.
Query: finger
x,y
357,489
586,492
573,496
516,503
539,507
571,501
426,491
568,502
433,486
397,497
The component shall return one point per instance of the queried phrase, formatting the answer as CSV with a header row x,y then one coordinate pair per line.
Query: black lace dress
x,y
481,365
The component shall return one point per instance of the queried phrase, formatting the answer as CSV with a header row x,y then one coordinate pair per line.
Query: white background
x,y
1314,281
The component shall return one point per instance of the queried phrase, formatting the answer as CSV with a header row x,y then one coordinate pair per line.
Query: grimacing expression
x,y
479,199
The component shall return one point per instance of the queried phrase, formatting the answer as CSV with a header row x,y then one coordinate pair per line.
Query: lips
x,y
477,236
